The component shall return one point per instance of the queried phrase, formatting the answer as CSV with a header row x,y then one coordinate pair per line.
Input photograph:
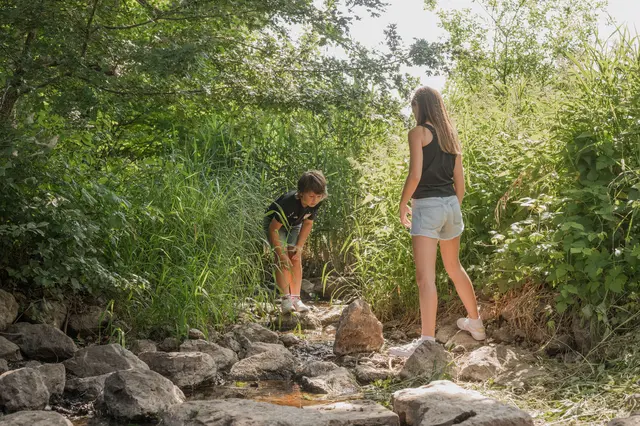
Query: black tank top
x,y
437,170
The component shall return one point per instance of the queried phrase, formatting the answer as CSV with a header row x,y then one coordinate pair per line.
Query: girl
x,y
436,185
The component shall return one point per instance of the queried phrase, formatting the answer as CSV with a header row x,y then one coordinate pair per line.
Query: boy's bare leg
x,y
296,274
284,278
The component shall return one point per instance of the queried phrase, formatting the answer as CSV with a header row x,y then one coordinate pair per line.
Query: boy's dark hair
x,y
314,181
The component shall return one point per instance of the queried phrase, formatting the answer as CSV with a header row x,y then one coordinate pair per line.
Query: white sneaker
x,y
407,350
287,305
299,306
474,327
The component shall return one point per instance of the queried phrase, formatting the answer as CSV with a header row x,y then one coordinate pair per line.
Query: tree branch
x,y
85,43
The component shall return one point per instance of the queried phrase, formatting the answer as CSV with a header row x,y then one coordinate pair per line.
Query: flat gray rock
x,y
35,418
445,403
98,360
23,389
41,342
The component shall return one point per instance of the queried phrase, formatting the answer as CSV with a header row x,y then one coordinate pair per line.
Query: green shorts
x,y
287,238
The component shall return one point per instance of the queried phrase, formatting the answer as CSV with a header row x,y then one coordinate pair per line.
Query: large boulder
x,y
265,362
184,369
224,358
254,333
41,342
9,351
634,420
35,418
327,378
502,364
138,395
445,403
85,389
54,376
358,330
8,309
357,413
247,412
98,360
429,360
23,389
142,345
50,312
90,321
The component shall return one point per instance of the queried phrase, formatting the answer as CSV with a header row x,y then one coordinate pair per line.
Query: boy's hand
x,y
404,211
285,262
297,253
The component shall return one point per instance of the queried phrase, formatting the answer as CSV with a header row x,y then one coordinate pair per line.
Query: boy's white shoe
x,y
407,350
287,305
299,306
473,326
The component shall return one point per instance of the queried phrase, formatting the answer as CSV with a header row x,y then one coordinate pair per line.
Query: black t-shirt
x,y
437,170
288,210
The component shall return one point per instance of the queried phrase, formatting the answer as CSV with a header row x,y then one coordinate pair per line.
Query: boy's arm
x,y
274,227
302,237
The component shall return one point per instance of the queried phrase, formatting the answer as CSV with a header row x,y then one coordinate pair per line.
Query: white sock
x,y
429,338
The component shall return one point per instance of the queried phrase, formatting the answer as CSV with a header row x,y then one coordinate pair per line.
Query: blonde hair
x,y
431,109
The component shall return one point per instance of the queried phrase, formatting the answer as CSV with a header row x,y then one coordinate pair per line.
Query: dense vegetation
x,y
142,140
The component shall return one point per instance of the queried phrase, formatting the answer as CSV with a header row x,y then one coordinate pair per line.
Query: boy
x,y
288,223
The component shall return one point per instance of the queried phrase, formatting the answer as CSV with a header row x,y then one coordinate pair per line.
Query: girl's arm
x,y
458,178
302,237
415,173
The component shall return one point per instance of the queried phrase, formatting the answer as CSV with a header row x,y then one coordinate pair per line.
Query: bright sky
x,y
415,22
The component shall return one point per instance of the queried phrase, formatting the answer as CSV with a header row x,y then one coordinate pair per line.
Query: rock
x,y
331,315
494,361
214,335
8,309
634,420
265,362
444,403
445,332
223,357
49,312
358,413
195,334
289,340
142,345
9,351
89,322
184,369
229,341
294,320
327,378
4,366
35,418
32,364
429,360
581,330
503,335
23,389
358,330
481,365
308,289
559,345
138,395
85,389
255,333
99,360
396,335
54,376
170,344
463,342
239,412
40,341
368,373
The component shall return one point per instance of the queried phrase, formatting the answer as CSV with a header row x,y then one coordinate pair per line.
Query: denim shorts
x,y
436,217
288,238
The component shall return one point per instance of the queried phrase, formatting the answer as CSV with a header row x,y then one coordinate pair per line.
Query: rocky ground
x,y
318,368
